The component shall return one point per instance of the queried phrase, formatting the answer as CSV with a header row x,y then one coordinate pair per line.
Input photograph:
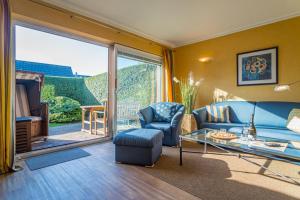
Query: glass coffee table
x,y
271,148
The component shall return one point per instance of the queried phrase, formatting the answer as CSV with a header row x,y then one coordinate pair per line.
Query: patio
x,y
72,132
64,135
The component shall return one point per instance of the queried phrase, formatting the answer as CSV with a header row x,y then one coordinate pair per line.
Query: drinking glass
x,y
245,133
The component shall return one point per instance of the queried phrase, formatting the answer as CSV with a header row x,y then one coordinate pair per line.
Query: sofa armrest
x,y
200,116
176,120
145,116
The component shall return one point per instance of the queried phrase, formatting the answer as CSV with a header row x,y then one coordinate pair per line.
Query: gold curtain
x,y
7,151
168,82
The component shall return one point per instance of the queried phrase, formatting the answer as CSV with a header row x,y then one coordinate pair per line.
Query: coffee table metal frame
x,y
229,151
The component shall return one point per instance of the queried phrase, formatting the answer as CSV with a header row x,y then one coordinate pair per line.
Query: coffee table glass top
x,y
260,146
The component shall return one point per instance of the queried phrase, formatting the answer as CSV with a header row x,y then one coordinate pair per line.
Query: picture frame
x,y
258,67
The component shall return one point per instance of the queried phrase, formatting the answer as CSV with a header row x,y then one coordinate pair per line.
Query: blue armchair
x,y
166,117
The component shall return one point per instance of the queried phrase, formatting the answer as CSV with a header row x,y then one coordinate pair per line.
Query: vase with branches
x,y
189,90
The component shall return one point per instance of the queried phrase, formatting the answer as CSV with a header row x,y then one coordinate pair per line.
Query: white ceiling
x,y
179,22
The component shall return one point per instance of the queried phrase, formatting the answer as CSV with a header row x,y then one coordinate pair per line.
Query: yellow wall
x,y
39,14
220,73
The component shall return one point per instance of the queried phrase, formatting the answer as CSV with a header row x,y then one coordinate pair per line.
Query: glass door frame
x,y
113,50
66,34
116,49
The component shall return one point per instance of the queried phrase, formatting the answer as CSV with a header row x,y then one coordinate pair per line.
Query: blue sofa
x,y
270,118
167,120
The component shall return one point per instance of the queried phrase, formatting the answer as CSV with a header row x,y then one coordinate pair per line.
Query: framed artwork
x,y
258,67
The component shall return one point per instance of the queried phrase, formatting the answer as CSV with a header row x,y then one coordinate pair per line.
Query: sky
x,y
84,58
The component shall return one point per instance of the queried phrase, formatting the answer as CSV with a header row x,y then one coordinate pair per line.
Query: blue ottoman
x,y
138,146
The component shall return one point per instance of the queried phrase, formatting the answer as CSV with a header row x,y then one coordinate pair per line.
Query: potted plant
x,y
188,90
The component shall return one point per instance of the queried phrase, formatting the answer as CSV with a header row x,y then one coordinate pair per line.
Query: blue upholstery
x,y
23,119
217,113
283,134
270,118
165,127
200,116
163,111
146,115
138,146
239,111
169,126
138,137
277,112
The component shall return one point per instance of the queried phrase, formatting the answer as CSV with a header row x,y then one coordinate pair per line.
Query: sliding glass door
x,y
85,90
61,89
138,85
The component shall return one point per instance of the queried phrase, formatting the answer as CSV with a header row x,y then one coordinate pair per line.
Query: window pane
x,y
139,85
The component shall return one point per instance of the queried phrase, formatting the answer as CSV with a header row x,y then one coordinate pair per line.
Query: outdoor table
x,y
89,109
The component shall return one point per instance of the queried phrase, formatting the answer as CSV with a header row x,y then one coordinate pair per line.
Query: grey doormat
x,y
55,158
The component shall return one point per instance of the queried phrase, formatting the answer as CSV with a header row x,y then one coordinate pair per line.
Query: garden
x,y
65,95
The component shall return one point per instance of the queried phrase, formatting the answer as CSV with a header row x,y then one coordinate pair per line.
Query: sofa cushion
x,y
217,114
231,127
164,111
23,119
273,114
293,123
239,111
163,126
139,138
200,115
29,118
278,134
147,114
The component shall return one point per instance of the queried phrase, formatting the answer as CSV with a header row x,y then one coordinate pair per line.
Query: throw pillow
x,y
217,114
293,122
164,112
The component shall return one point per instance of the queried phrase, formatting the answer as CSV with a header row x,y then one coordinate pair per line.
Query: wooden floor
x,y
92,177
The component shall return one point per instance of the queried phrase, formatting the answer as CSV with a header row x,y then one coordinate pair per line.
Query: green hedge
x,y
133,86
64,109
48,92
96,89
68,87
